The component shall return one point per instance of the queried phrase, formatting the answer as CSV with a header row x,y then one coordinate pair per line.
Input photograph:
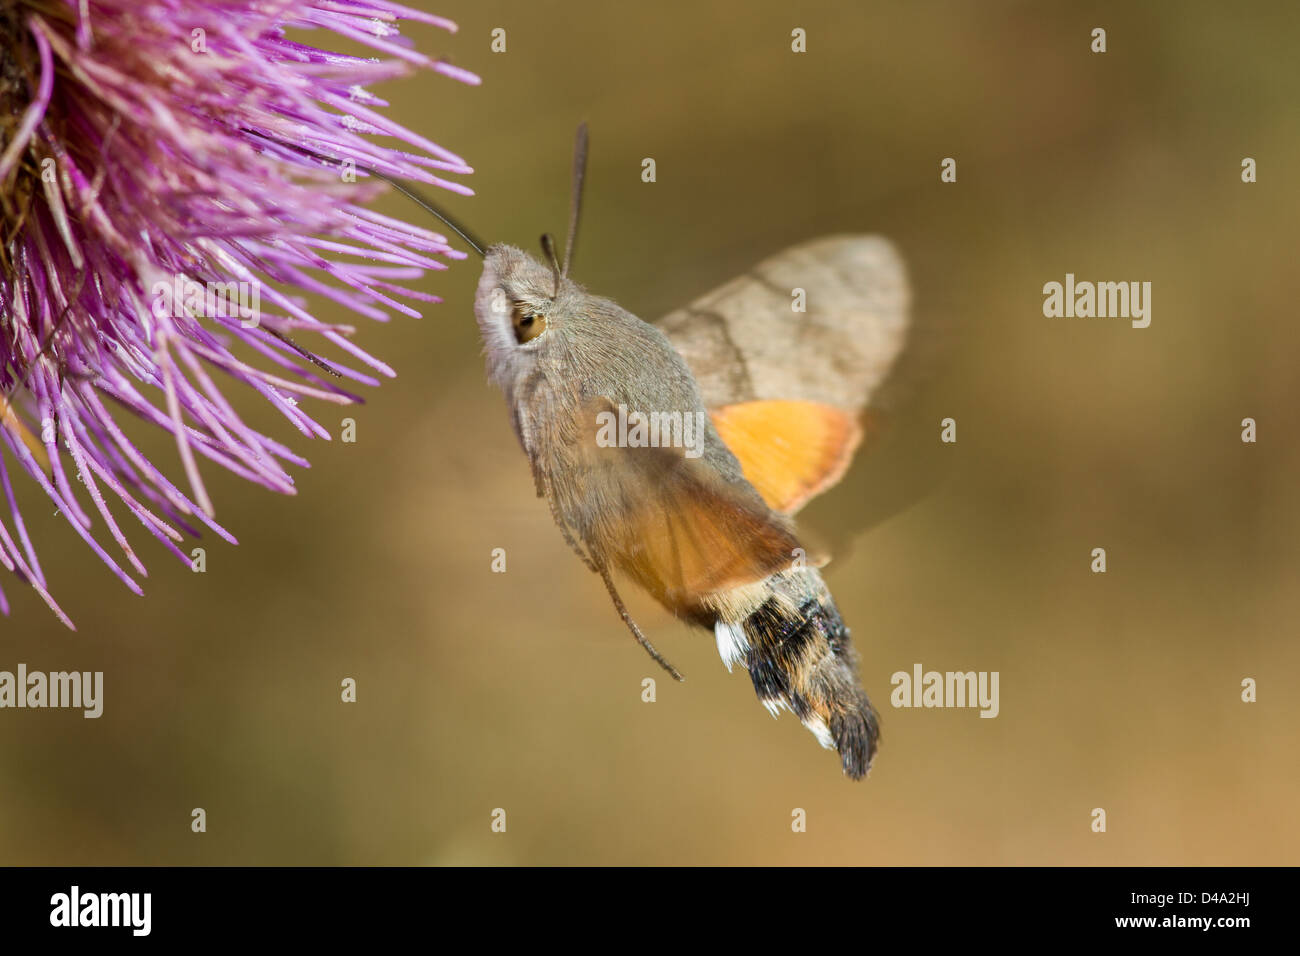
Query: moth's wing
x,y
675,525
787,388
789,450
744,341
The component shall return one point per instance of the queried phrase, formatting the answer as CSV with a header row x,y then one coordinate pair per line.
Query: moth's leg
x,y
539,479
564,530
544,491
631,624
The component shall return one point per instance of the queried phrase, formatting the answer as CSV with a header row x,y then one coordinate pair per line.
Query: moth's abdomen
x,y
791,638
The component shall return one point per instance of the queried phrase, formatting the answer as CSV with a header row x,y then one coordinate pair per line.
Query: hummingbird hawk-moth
x,y
779,393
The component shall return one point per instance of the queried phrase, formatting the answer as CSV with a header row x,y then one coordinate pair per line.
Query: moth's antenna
x,y
575,198
408,191
548,246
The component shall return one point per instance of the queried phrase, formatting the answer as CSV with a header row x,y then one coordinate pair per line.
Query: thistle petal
x,y
162,162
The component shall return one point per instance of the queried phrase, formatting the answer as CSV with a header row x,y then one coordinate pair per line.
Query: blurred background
x,y
522,690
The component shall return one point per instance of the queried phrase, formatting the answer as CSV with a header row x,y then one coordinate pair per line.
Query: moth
x,y
773,397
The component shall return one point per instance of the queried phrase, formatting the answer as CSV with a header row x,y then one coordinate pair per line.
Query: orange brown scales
x,y
791,451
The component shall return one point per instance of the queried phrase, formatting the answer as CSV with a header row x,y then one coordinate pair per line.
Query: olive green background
x,y
522,690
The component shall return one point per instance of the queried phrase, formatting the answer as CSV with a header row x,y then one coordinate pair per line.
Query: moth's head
x,y
526,310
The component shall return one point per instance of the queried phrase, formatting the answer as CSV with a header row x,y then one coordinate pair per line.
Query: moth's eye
x,y
528,325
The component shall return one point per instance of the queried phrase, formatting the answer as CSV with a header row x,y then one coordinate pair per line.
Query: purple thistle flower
x,y
152,148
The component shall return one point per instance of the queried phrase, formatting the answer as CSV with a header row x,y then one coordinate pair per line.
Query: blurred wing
x,y
676,527
744,341
786,388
